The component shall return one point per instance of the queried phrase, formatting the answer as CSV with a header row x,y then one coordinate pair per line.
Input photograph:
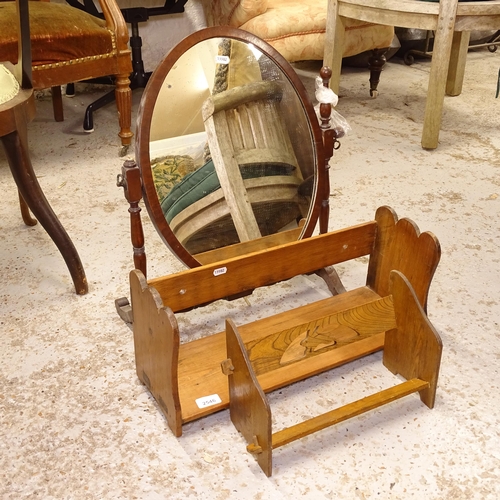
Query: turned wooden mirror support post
x,y
130,181
330,143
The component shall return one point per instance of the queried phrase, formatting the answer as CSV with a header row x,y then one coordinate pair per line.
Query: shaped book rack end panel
x,y
412,348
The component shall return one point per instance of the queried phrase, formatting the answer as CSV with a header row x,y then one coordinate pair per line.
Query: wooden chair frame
x,y
452,22
14,118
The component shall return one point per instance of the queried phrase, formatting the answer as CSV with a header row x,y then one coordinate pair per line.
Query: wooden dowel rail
x,y
346,412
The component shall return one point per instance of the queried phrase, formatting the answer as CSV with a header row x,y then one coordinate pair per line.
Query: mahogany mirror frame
x,y
145,115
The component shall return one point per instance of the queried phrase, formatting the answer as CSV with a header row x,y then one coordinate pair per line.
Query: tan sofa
x,y
295,28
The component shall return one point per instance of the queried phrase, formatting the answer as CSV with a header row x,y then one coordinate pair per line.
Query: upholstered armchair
x,y
69,45
295,28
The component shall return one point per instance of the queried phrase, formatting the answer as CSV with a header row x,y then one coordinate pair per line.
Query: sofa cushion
x,y
296,29
232,12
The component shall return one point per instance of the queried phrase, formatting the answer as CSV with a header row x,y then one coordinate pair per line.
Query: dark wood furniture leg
x,y
376,63
328,143
16,150
57,104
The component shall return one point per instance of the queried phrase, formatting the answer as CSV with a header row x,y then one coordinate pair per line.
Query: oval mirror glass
x,y
228,145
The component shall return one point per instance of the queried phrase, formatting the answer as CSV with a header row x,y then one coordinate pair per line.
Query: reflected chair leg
x,y
15,145
25,211
123,95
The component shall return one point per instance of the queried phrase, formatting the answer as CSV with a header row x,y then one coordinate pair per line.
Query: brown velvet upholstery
x,y
70,45
50,43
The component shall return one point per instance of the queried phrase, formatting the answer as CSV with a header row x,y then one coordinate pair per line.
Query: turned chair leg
x,y
123,95
376,63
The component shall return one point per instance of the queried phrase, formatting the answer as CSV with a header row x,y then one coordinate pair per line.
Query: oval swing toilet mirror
x,y
228,145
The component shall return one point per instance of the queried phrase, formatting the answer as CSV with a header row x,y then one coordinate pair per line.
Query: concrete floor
x,y
75,422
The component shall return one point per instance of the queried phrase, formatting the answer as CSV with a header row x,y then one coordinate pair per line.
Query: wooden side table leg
x,y
456,69
16,149
438,75
334,43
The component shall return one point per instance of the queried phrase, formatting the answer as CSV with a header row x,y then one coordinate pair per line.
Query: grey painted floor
x,y
75,422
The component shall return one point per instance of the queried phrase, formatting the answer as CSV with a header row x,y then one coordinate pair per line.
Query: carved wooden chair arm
x,y
115,22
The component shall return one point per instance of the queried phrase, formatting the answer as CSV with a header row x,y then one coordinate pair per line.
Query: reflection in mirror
x,y
232,151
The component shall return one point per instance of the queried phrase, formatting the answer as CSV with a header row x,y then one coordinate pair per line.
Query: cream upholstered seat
x,y
295,28
9,86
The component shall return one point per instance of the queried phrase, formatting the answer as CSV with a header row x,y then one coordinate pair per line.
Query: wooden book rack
x,y
190,381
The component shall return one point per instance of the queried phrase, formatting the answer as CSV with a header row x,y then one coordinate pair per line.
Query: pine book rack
x,y
237,367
